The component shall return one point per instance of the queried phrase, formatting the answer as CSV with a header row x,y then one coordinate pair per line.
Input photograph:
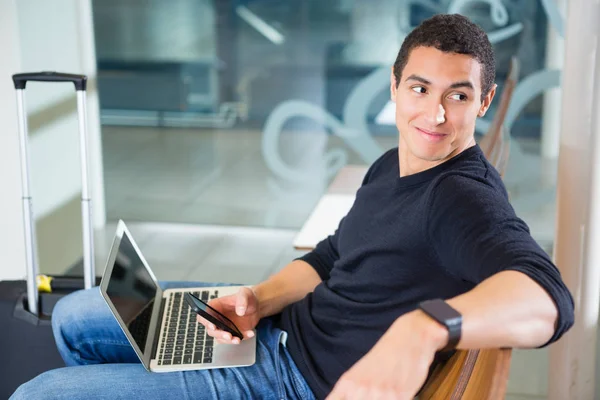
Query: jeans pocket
x,y
302,389
296,384
278,366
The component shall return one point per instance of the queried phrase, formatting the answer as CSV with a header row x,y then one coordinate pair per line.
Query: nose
x,y
441,115
436,113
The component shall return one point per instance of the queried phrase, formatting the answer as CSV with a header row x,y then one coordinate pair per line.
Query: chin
x,y
429,153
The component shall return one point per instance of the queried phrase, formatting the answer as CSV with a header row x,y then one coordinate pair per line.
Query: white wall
x,y
56,36
11,230
55,44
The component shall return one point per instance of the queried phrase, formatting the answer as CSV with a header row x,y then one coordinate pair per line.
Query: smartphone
x,y
210,314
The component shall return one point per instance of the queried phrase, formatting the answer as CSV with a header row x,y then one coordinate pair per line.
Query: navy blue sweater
x,y
434,234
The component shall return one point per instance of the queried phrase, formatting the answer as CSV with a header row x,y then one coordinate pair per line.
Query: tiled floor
x,y
206,177
206,253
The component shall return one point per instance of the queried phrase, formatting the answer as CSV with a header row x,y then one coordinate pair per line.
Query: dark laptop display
x,y
132,291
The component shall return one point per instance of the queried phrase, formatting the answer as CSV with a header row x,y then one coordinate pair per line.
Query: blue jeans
x,y
101,364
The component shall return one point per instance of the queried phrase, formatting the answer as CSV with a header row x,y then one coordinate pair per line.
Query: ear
x,y
487,101
393,86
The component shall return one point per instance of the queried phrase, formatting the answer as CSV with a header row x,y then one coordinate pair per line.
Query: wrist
x,y
432,335
434,332
447,317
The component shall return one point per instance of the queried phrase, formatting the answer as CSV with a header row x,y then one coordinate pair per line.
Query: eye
x,y
419,89
458,96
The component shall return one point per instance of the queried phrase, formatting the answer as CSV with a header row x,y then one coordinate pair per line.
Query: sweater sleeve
x,y
475,233
324,255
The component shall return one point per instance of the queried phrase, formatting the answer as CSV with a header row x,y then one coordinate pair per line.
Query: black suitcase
x,y
27,345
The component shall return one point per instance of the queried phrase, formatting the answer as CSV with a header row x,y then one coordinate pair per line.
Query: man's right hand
x,y
285,287
241,308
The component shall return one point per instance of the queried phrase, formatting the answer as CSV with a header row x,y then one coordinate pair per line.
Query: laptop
x,y
159,324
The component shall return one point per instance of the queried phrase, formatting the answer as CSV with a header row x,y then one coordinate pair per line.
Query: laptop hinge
x,y
158,326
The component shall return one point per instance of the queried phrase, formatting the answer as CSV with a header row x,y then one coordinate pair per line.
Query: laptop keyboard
x,y
185,340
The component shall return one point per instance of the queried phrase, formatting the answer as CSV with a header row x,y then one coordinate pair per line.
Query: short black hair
x,y
451,33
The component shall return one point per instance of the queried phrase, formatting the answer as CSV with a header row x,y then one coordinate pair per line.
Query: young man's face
x,y
437,101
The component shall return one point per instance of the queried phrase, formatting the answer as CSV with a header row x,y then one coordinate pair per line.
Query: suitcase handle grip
x,y
20,80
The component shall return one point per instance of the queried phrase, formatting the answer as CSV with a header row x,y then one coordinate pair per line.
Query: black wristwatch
x,y
447,316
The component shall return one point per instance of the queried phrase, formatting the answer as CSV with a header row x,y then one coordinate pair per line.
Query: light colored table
x,y
331,208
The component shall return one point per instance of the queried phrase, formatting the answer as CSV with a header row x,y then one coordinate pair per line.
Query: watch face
x,y
442,312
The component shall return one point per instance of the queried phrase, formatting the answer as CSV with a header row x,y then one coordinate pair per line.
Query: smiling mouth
x,y
431,133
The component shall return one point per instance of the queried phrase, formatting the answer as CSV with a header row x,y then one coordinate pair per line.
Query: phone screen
x,y
212,315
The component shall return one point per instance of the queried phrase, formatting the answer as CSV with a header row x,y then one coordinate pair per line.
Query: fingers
x,y
222,336
204,322
234,341
212,328
241,302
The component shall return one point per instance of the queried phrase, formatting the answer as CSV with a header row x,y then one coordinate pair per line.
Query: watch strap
x,y
447,316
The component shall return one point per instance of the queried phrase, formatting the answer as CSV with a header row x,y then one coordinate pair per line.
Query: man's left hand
x,y
397,366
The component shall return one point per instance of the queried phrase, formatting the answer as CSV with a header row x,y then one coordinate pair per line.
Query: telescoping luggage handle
x,y
20,82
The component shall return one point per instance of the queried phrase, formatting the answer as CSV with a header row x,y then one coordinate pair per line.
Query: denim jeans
x,y
101,364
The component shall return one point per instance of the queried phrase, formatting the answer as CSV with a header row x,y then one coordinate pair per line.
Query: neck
x,y
410,164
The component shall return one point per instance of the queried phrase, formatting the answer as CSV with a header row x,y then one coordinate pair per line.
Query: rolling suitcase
x,y
26,342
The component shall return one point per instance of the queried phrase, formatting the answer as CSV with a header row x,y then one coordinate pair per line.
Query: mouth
x,y
431,136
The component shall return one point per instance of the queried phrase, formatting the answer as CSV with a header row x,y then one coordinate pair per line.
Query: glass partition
x,y
242,112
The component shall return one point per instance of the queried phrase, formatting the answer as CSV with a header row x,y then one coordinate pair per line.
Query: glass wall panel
x,y
241,113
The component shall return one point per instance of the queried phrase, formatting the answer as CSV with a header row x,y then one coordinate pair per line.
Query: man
x,y
363,313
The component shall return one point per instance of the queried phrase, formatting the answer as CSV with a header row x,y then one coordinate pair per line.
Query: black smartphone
x,y
210,314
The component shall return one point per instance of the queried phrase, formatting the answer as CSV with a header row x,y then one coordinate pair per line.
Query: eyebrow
x,y
455,85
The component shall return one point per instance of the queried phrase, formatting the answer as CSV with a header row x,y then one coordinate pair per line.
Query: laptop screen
x,y
132,291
